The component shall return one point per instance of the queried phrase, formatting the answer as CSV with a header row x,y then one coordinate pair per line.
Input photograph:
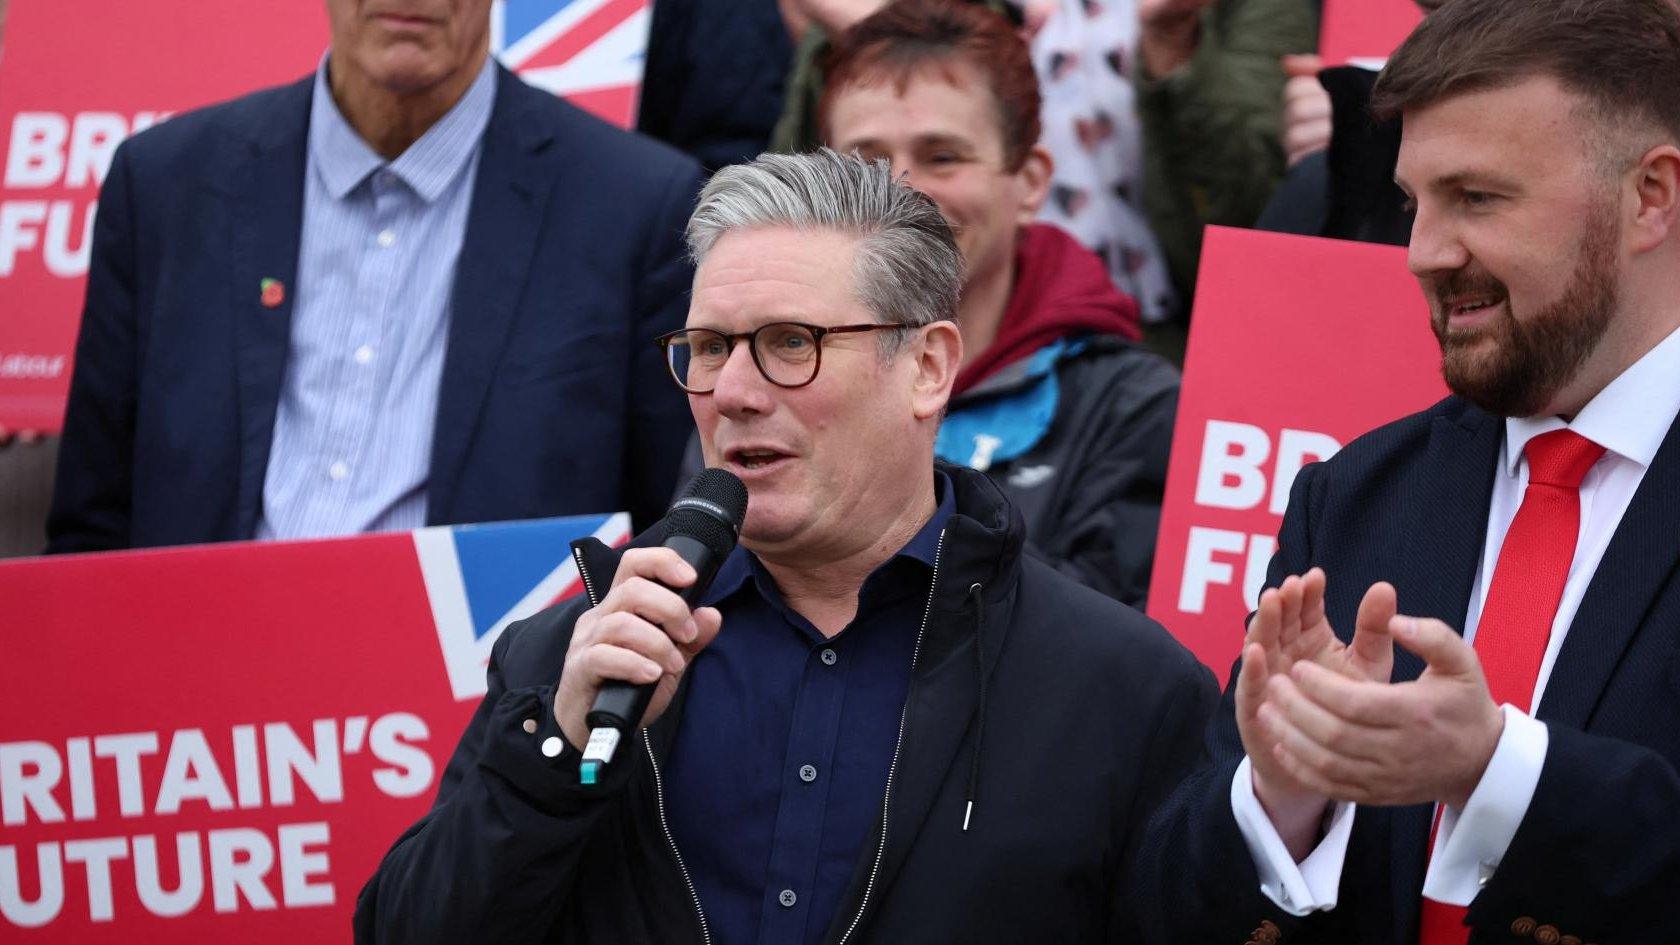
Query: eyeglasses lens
x,y
785,353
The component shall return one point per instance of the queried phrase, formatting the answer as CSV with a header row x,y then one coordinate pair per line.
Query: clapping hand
x,y
1428,740
1321,721
1290,629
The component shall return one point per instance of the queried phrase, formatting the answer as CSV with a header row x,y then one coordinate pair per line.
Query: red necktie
x,y
1522,601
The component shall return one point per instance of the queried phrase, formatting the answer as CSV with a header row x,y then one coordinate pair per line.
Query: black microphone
x,y
701,527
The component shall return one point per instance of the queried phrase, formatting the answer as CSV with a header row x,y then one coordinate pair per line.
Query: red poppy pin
x,y
273,293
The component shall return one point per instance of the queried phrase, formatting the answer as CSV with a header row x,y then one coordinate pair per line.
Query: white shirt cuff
x,y
1297,888
1469,844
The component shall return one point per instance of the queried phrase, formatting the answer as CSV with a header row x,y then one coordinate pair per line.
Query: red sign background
x,y
1297,345
1364,29
106,661
79,77
218,743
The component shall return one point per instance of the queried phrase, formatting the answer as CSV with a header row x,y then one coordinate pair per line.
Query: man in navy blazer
x,y
1457,714
241,374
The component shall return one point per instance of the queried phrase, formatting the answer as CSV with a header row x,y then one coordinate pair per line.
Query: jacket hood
x,y
985,536
1061,290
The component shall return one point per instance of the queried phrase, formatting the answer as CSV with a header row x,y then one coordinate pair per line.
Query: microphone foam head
x,y
711,511
719,493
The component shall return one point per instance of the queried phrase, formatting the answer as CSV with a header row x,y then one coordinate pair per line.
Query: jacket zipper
x,y
659,795
892,770
658,781
583,574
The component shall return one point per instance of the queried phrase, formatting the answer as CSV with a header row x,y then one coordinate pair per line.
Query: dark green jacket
x,y
1212,128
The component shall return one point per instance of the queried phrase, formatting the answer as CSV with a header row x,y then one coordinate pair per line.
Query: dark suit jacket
x,y
1598,854
553,401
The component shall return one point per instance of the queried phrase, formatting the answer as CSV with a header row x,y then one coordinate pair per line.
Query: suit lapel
x,y
1639,561
1445,532
1446,526
517,166
264,185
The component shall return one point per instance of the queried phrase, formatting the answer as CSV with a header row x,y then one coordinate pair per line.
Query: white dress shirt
x,y
1629,418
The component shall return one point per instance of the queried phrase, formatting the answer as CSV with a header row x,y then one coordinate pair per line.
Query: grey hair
x,y
907,270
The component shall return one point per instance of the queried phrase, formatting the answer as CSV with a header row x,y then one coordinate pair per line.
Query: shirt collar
x,y
1629,417
923,546
427,166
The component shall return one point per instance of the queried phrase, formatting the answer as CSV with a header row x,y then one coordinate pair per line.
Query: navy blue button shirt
x,y
779,766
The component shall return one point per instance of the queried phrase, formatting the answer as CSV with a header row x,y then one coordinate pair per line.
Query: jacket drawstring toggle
x,y
974,591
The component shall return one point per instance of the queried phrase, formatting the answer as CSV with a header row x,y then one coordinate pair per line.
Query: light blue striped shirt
x,y
352,442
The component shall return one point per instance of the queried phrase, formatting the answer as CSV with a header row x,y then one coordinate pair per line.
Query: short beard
x,y
1532,358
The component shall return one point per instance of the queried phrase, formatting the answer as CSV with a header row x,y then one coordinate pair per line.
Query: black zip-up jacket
x,y
1043,717
1090,489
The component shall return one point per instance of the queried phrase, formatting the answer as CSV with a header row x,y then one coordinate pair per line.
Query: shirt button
x,y
551,746
364,354
338,470
530,726
787,898
807,773
829,657
387,238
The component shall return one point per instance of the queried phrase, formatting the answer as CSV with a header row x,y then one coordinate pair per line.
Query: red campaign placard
x,y
1297,345
218,743
1364,29
79,76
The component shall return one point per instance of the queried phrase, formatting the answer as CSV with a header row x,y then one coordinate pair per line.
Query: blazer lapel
x,y
1446,529
264,185
1446,524
1640,559
517,166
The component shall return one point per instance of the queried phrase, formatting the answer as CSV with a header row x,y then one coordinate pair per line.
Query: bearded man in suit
x,y
1510,773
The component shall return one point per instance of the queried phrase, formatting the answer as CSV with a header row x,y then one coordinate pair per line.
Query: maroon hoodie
x,y
1061,289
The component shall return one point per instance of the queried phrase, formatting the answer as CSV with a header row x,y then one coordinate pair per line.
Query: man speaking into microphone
x,y
884,723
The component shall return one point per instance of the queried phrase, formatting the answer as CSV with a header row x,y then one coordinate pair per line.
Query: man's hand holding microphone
x,y
642,632
628,652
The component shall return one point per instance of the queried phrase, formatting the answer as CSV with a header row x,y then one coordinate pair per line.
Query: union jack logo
x,y
590,52
481,578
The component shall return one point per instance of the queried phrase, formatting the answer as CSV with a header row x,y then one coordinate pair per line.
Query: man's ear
x,y
938,358
1033,180
1656,189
